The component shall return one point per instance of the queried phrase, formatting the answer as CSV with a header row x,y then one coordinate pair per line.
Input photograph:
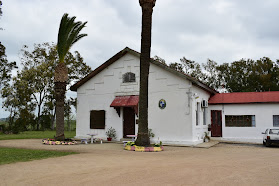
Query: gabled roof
x,y
137,54
245,97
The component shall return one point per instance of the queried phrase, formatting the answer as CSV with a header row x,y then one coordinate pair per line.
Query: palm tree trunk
x,y
147,9
60,88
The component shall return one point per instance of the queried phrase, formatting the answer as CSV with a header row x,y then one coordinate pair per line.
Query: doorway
x,y
216,123
128,121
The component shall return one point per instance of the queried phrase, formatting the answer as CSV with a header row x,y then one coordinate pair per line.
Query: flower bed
x,y
132,147
144,149
53,142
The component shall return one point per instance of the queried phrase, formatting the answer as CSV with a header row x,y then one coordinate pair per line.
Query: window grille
x,y
240,121
275,120
129,77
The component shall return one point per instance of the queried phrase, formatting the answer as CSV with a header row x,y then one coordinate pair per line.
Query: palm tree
x,y
69,33
147,9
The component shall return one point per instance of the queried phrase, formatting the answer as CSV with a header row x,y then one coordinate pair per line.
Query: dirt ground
x,y
109,164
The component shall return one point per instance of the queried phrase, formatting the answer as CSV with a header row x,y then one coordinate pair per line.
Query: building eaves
x,y
137,54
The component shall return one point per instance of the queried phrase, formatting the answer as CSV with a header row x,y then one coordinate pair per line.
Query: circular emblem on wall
x,y
162,104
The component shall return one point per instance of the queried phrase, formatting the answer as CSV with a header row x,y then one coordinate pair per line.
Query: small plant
x,y
150,133
158,144
206,137
130,143
111,133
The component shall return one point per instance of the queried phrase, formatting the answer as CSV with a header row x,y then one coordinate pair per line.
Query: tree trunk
x,y
53,119
60,89
39,116
69,123
147,9
60,82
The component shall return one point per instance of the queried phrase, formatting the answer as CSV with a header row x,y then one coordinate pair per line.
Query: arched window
x,y
129,77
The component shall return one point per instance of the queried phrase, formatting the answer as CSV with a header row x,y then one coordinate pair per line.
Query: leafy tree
x,y
69,33
147,9
210,74
249,75
18,102
1,12
161,60
177,66
192,68
5,67
10,103
35,82
0,8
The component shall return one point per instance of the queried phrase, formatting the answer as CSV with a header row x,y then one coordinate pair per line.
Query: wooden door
x,y
128,121
216,123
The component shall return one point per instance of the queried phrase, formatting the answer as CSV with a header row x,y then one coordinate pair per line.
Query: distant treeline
x,y
245,75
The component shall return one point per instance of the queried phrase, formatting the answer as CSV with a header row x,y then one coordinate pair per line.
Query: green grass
x,y
12,155
35,135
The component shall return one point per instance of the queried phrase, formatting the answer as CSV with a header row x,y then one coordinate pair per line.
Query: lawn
x,y
35,135
12,155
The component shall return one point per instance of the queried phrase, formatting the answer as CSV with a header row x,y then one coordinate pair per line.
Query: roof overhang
x,y
137,54
125,101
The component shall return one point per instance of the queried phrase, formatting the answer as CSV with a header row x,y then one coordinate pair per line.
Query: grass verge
x,y
12,155
35,135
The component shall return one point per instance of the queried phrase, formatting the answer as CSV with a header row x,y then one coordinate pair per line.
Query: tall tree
x,y
211,74
249,75
0,8
35,82
1,12
177,66
192,68
147,10
69,33
5,67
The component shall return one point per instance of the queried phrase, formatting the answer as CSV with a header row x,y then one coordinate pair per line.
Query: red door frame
x,y
216,123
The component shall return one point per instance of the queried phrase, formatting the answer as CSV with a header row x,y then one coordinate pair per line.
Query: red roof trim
x,y
245,98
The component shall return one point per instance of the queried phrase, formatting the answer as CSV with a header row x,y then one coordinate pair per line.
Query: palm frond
x,y
68,35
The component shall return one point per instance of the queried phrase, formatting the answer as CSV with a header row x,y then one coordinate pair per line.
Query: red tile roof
x,y
245,97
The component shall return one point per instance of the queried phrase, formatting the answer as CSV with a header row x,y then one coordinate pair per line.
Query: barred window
x,y
97,119
275,120
240,121
129,77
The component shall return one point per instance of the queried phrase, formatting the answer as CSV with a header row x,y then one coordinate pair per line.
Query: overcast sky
x,y
222,30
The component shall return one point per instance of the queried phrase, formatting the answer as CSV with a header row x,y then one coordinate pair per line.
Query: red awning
x,y
125,101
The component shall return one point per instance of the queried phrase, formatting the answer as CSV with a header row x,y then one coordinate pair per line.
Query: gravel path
x,y
109,164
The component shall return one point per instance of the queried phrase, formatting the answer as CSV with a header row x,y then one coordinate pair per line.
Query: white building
x,y
108,97
178,105
243,116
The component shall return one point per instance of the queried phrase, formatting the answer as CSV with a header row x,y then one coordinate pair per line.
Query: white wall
x,y
263,118
172,124
200,129
99,92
